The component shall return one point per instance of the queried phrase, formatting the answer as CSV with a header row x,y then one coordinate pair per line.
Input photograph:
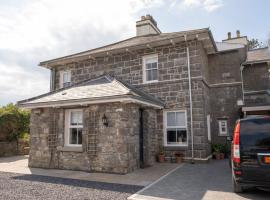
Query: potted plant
x,y
178,157
161,157
218,151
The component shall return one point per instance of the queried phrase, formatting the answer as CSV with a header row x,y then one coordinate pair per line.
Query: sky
x,y
36,30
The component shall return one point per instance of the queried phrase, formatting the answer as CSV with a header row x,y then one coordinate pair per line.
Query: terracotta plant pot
x,y
161,158
219,156
178,159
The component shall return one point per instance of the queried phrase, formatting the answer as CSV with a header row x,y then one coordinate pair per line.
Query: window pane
x,y
76,118
154,74
66,77
79,136
149,66
150,60
171,119
154,65
73,136
181,136
148,75
180,119
171,136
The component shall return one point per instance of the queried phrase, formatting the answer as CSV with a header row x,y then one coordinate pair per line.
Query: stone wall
x,y
117,145
225,89
256,81
172,86
8,148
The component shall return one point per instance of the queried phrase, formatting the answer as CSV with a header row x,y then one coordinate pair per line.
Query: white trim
x,y
223,133
144,68
255,108
88,102
173,80
137,194
165,128
68,126
225,84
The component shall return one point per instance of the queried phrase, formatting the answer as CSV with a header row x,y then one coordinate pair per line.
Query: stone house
x,y
113,108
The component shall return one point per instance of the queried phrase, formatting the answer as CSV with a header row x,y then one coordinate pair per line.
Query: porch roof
x,y
104,89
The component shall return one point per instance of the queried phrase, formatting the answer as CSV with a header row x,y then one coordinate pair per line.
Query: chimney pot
x,y
238,33
229,35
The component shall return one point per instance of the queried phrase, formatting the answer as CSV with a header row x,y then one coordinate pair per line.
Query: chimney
x,y
236,40
229,35
238,34
146,26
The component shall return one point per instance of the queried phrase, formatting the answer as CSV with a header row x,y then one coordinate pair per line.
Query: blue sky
x,y
35,30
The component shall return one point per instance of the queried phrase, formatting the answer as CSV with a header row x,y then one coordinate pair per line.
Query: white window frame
x,y
223,133
144,67
68,126
62,77
180,127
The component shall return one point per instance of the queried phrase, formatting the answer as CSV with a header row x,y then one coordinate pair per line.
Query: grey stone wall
x,y
225,89
172,86
256,80
117,145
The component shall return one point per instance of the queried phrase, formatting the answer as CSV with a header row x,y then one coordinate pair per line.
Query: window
x,y
150,68
73,129
175,128
65,79
223,127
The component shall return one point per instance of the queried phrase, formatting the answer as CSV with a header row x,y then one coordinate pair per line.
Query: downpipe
x,y
190,103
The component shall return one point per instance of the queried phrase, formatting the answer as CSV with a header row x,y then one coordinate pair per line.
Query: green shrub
x,y
14,122
219,148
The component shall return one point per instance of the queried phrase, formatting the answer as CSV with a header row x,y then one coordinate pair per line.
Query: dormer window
x,y
150,68
65,79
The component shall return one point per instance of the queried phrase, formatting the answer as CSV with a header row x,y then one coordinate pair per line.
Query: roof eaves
x,y
44,63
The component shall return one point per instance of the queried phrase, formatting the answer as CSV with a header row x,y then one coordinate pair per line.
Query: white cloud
x,y
208,5
33,31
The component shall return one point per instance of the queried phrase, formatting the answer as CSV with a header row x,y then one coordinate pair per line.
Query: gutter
x,y
190,103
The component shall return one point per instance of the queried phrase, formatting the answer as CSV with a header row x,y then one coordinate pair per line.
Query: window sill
x,y
175,148
149,82
71,149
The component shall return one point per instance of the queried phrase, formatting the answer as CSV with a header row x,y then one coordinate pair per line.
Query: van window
x,y
255,132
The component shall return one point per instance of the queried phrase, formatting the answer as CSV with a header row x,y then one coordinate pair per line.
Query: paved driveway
x,y
210,181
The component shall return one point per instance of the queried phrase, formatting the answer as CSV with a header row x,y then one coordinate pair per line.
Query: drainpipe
x,y
190,103
242,82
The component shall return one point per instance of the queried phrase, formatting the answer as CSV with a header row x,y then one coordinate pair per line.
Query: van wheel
x,y
236,187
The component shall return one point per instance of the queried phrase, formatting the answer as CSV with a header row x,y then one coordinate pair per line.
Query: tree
x,y
255,44
14,122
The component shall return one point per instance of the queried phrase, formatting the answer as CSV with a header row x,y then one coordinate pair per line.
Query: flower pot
x,y
161,158
178,159
222,156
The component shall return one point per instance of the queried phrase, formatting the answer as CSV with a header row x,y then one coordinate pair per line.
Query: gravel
x,y
35,187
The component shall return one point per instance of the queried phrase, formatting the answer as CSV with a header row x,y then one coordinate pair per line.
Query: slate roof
x,y
135,41
225,46
102,89
258,55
